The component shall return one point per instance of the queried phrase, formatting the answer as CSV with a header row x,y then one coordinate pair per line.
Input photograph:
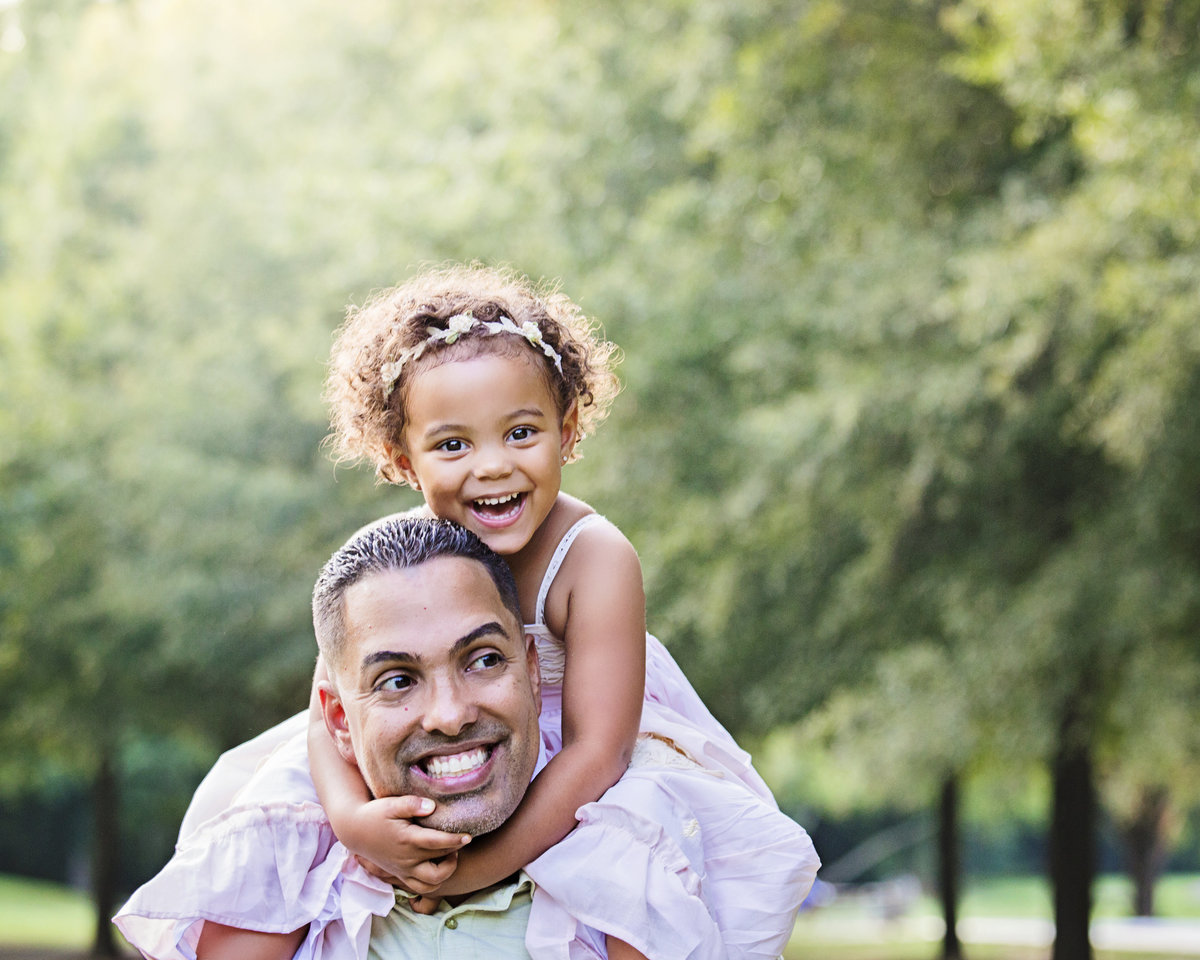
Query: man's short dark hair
x,y
396,543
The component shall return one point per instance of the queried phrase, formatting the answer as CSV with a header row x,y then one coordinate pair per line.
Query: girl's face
x,y
484,444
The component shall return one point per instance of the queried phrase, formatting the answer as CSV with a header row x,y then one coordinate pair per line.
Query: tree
x,y
944,446
908,377
130,465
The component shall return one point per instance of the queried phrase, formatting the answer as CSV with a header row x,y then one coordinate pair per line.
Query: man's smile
x,y
451,778
455,765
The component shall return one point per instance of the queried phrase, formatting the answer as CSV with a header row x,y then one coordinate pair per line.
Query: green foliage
x,y
906,291
34,912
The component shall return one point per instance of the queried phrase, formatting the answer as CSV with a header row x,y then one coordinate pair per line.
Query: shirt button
x,y
452,924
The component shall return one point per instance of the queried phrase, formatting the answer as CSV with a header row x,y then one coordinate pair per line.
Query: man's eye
x,y
486,660
395,683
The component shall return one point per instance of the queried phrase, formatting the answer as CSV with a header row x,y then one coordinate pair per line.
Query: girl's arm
x,y
219,942
380,832
605,636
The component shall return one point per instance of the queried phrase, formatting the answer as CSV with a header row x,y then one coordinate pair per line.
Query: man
x,y
433,692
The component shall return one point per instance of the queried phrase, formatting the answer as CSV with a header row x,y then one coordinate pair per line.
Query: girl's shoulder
x,y
599,551
574,543
595,534
600,568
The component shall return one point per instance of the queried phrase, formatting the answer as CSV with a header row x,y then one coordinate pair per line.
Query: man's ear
x,y
334,712
533,665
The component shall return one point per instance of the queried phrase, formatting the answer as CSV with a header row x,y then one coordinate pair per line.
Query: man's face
x,y
437,693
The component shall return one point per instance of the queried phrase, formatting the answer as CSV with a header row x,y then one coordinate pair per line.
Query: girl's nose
x,y
492,463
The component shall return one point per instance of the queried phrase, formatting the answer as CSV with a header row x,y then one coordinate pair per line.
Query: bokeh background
x,y
910,436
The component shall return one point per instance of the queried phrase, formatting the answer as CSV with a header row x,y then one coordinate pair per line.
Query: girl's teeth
x,y
458,764
496,501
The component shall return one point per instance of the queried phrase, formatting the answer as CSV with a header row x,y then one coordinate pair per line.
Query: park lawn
x,y
44,914
38,913
913,950
1177,895
850,928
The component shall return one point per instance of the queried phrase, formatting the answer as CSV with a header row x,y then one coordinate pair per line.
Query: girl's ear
x,y
401,462
570,431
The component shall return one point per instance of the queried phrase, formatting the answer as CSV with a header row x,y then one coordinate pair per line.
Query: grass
x,y
38,913
800,949
1176,896
851,928
41,914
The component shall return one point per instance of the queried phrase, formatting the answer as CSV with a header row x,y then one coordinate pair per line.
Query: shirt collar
x,y
494,899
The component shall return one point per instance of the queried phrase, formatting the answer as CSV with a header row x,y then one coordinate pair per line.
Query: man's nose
x,y
447,708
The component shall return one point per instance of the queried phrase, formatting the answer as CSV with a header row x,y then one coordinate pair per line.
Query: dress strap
x,y
560,553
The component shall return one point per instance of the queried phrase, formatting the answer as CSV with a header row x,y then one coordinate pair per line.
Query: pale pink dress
x,y
687,857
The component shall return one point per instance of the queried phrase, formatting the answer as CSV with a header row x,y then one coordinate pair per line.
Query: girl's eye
x,y
521,433
451,446
395,684
486,661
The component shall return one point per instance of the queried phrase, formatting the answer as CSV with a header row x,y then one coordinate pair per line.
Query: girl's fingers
x,y
433,843
377,871
422,876
432,873
425,905
406,807
409,808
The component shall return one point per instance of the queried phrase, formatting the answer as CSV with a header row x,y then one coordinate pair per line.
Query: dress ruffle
x,y
234,774
681,864
265,865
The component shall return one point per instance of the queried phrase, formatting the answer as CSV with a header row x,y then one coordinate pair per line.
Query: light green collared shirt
x,y
489,924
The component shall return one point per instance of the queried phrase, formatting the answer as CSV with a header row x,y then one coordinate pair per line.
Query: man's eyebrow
x,y
488,629
388,656
491,628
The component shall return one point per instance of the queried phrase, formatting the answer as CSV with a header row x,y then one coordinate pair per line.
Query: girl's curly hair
x,y
367,410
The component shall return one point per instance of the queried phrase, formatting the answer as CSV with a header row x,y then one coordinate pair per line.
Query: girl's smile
x,y
484,443
499,511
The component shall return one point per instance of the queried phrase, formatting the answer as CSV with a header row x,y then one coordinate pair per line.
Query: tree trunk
x,y
1072,845
105,851
948,867
1145,847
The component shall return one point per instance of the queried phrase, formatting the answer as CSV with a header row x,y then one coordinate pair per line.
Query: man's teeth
x,y
457,764
496,501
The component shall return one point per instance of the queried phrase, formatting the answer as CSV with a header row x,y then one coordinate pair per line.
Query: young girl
x,y
648,822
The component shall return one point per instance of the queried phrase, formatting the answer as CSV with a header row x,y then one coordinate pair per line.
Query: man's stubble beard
x,y
451,821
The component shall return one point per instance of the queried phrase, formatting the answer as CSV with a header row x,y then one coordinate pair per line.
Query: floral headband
x,y
457,325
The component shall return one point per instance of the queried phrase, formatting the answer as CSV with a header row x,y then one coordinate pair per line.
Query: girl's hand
x,y
405,854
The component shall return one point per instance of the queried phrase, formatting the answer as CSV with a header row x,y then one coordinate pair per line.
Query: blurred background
x,y
909,442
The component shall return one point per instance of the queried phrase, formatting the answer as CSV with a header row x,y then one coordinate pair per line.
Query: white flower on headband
x,y
457,325
390,373
532,332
